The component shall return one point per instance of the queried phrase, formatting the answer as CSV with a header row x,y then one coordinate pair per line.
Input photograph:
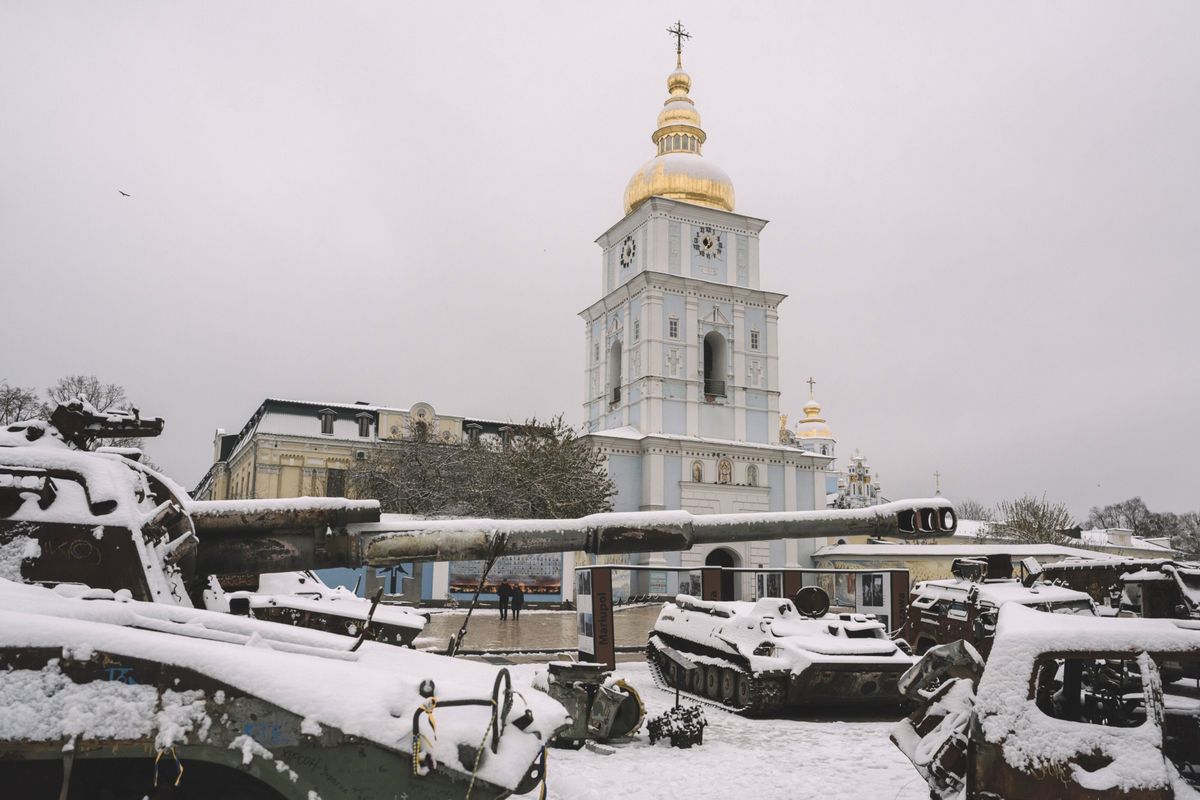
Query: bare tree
x,y
542,470
973,509
1033,520
102,396
1186,535
1131,514
18,403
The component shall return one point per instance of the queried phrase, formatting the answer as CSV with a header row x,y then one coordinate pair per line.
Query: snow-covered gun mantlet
x,y
404,540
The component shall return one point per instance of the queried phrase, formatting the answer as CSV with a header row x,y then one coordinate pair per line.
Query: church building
x,y
682,359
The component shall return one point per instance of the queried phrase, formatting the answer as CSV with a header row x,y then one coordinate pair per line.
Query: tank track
x,y
765,693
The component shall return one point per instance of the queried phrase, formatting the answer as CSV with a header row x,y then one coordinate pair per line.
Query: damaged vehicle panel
x,y
1067,707
966,606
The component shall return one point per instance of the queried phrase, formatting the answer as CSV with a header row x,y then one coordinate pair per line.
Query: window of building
x,y
753,340
715,364
364,425
673,328
614,372
637,329
473,431
328,415
596,351
335,483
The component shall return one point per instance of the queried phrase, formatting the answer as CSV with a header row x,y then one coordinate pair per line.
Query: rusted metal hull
x,y
328,763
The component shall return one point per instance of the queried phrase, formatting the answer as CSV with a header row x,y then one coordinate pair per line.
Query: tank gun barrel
x,y
81,424
243,536
396,541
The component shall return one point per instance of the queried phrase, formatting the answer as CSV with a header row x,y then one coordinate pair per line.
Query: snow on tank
x,y
121,686
764,656
302,598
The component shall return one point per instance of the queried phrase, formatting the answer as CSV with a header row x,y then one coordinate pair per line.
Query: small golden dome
x,y
812,426
679,172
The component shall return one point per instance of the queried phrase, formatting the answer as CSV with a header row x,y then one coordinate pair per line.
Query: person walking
x,y
504,592
518,600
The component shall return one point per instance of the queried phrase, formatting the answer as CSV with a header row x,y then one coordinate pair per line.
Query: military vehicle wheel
x,y
728,685
712,681
695,683
741,695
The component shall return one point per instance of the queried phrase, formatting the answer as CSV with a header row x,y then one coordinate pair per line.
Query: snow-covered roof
x,y
630,433
951,550
972,528
1001,591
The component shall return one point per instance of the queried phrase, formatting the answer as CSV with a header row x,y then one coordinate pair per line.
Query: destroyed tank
x,y
70,514
105,696
766,656
115,684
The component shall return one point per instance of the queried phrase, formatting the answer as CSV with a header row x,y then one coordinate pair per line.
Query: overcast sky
x,y
985,215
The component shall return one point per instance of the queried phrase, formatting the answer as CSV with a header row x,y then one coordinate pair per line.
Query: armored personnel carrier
x,y
766,656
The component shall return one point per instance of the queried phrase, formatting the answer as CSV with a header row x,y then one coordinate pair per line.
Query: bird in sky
x,y
123,194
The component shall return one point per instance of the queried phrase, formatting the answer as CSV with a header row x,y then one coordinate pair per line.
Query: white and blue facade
x,y
681,377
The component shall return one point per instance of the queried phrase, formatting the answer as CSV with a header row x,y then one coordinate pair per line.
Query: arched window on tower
x,y
716,363
614,372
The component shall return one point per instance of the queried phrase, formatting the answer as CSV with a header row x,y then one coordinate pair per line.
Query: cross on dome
x,y
677,30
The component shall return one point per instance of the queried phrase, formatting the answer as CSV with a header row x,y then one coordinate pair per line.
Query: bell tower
x,y
681,350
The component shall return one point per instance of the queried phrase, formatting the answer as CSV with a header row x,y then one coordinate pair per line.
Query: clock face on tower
x,y
707,242
628,251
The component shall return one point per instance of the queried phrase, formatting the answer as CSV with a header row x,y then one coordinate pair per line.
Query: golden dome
x,y
679,172
812,426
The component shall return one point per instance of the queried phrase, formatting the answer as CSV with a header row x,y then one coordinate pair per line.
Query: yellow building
x,y
294,448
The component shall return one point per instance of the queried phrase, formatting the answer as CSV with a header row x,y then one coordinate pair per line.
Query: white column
x,y
694,353
440,588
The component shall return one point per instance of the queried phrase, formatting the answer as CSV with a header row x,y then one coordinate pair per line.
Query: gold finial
x,y
680,34
811,383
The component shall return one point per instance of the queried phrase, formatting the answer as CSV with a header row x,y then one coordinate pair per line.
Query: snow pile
x,y
1032,740
223,508
46,706
13,552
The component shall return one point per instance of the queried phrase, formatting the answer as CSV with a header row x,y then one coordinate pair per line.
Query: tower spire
x,y
677,171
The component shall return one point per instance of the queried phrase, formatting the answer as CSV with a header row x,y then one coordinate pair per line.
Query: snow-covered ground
x,y
760,759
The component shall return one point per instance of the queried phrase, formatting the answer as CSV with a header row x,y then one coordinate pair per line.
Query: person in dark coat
x,y
518,600
504,592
